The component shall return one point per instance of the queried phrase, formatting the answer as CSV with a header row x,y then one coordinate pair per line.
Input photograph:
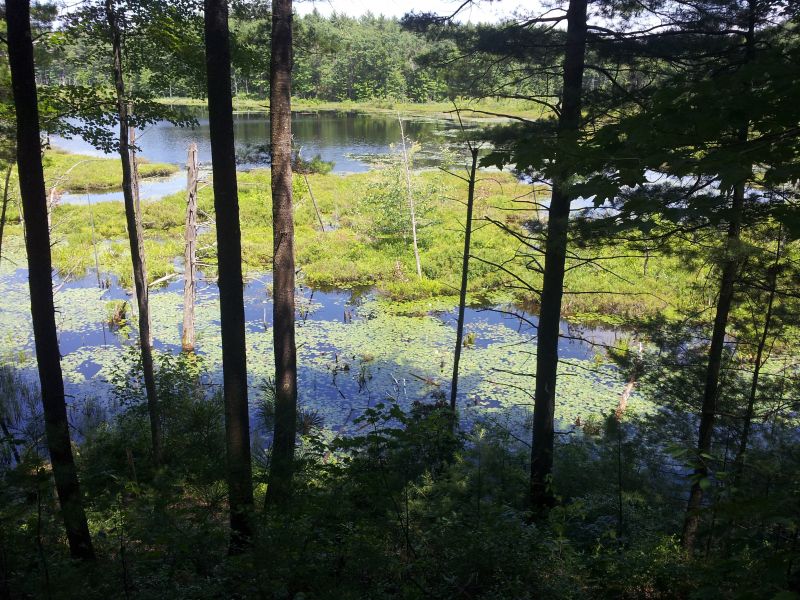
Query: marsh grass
x,y
348,255
482,109
78,173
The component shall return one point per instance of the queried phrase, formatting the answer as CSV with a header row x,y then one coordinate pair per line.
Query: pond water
x,y
153,188
352,353
352,141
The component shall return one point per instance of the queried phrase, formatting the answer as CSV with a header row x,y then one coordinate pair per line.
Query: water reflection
x,y
149,189
344,138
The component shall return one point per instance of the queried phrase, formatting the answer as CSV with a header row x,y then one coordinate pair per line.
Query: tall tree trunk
x,y
231,287
190,251
31,182
411,207
554,265
730,271
280,476
133,220
711,390
462,299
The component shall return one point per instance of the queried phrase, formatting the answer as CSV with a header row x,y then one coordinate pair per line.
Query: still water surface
x,y
349,140
353,142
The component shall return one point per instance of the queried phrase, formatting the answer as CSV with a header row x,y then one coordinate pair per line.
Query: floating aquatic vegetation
x,y
345,365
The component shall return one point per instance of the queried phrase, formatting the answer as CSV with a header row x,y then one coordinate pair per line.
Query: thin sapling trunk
x,y
130,193
462,299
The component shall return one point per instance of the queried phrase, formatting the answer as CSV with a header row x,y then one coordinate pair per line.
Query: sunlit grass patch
x,y
79,173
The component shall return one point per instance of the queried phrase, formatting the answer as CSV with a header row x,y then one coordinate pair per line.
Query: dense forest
x,y
337,58
361,307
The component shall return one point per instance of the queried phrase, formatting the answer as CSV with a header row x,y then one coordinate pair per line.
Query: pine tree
x,y
231,287
282,465
37,242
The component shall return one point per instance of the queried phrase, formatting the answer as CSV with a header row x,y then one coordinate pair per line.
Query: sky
x,y
479,12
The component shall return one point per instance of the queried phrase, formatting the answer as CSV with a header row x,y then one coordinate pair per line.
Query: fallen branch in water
x,y
163,279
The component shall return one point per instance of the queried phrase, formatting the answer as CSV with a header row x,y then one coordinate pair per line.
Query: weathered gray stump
x,y
190,251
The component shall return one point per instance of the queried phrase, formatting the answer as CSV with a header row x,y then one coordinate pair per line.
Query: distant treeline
x,y
336,58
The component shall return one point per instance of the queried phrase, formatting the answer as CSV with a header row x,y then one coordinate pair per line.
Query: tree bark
x,y
540,494
231,287
462,299
711,390
133,221
190,251
34,200
282,465
730,271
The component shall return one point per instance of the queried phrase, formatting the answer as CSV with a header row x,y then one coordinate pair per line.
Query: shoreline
x,y
471,110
